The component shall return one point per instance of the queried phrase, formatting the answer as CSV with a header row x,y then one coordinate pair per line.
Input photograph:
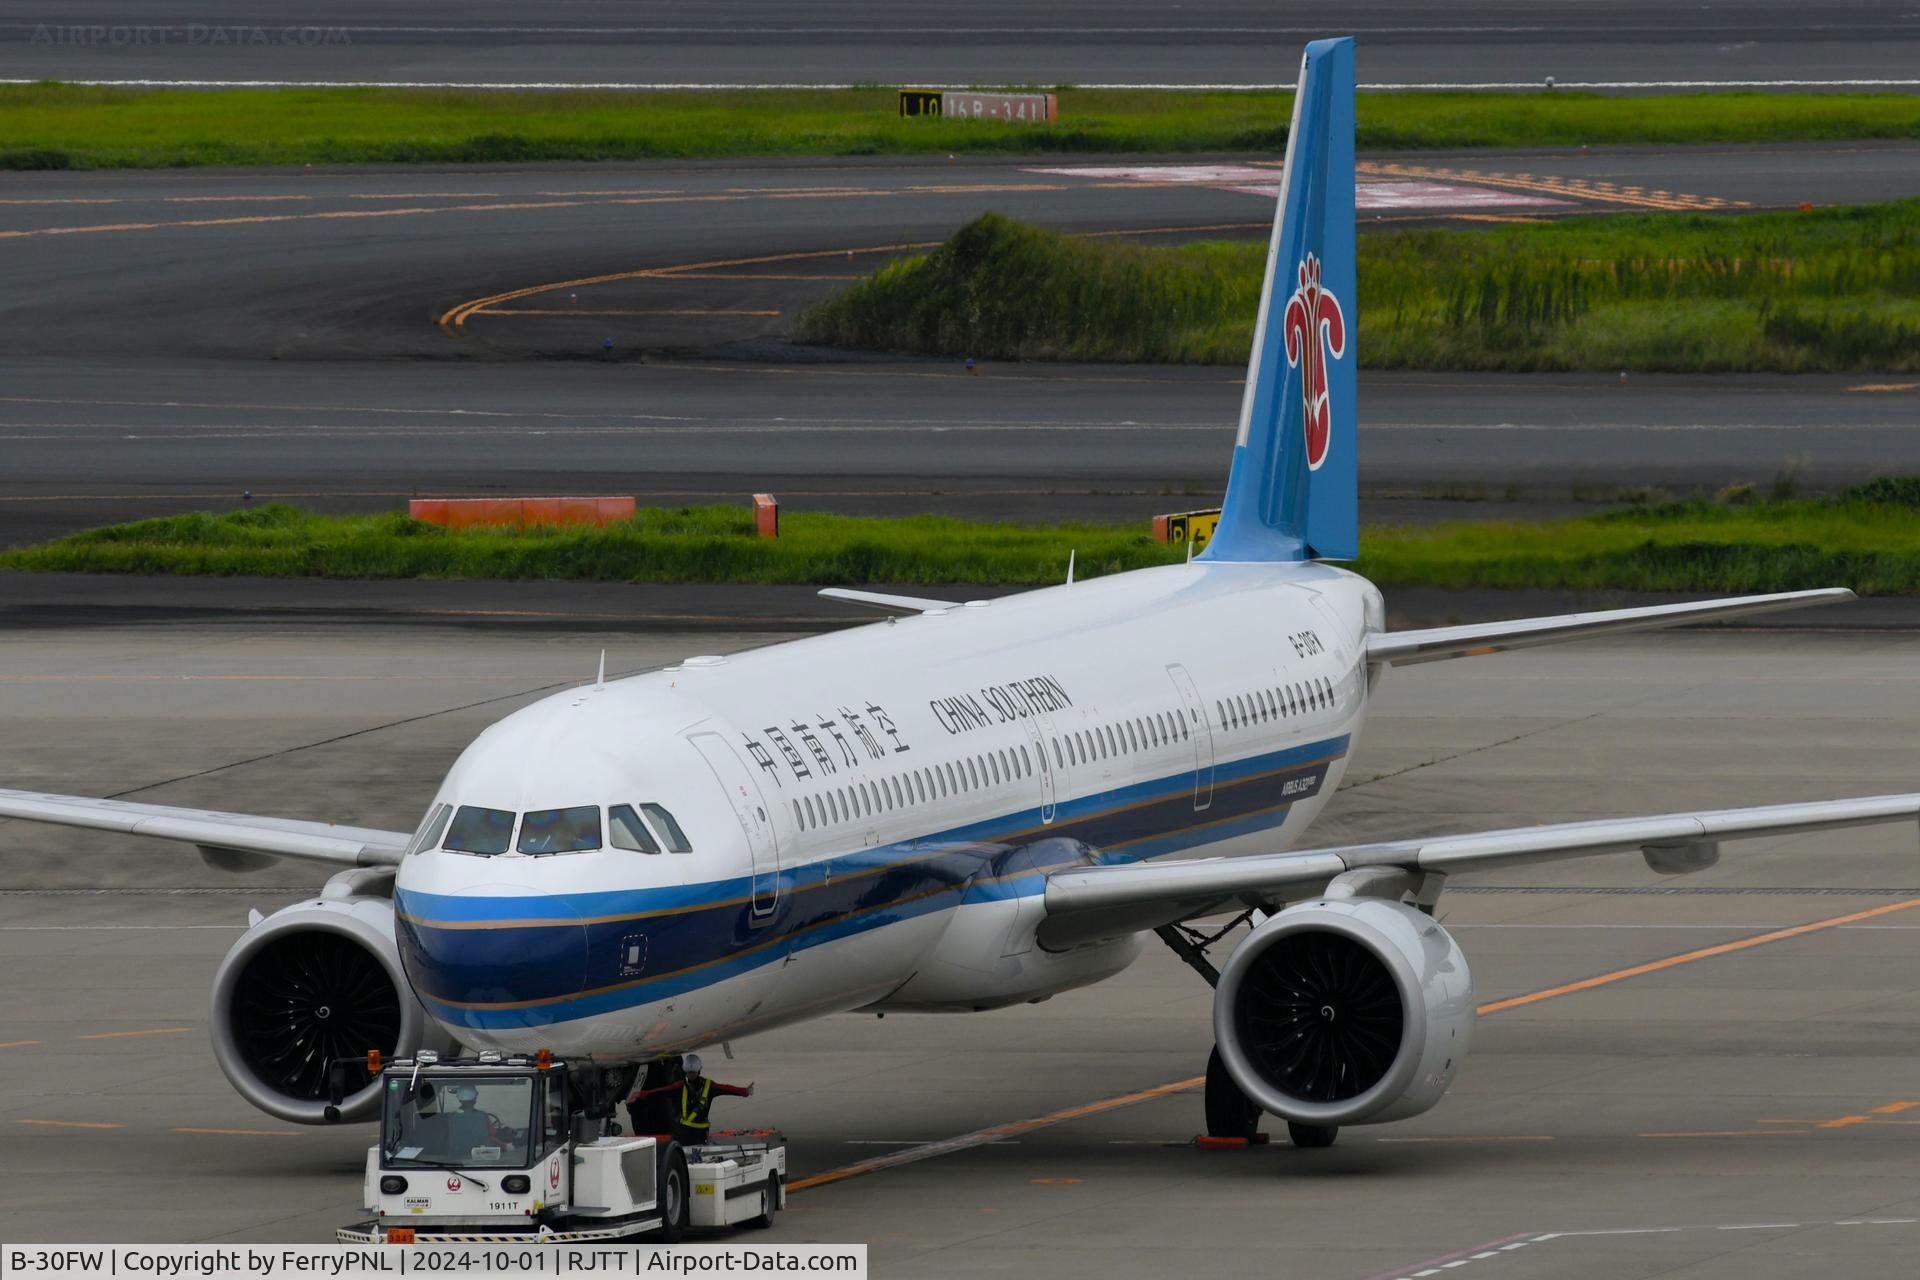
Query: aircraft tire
x,y
1230,1113
1312,1135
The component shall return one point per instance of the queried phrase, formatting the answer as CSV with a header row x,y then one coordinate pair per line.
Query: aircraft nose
x,y
489,952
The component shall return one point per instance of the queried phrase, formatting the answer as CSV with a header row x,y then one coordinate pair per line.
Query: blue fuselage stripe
x,y
519,961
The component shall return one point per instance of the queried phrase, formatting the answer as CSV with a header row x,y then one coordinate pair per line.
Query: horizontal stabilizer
x,y
1434,643
224,833
1087,904
885,603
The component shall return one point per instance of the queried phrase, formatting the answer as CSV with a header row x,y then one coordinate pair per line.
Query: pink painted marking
x,y
1265,182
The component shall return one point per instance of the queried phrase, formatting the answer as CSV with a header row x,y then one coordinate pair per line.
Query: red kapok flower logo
x,y
1316,332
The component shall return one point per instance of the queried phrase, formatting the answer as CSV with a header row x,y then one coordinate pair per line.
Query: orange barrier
x,y
766,515
462,513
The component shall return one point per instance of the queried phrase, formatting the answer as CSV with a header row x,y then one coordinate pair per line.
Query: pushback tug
x,y
523,1150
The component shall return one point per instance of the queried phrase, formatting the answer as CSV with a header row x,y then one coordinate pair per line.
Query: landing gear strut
x,y
597,1094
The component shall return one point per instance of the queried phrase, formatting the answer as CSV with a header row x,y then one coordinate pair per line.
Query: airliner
x,y
963,806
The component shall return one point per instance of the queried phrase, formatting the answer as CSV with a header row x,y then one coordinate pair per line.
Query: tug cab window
x,y
466,1121
571,830
664,824
477,830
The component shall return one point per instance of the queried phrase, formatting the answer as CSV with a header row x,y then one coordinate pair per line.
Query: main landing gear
x,y
1231,1114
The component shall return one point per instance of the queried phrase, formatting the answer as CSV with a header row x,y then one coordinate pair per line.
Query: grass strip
x,y
688,544
1831,290
1867,538
53,125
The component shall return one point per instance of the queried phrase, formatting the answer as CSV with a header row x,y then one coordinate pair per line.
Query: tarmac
x,y
346,339
756,42
1704,1077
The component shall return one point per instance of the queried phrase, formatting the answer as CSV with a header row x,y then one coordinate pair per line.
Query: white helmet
x,y
467,1093
692,1064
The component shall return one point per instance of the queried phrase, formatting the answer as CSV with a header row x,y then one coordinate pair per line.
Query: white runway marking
x,y
1451,1262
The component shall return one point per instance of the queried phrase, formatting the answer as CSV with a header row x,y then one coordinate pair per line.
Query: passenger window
x,y
893,785
571,830
1059,762
431,828
664,824
1133,738
839,814
1026,762
477,830
626,831
973,775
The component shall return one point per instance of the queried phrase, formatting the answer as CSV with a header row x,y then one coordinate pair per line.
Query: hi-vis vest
x,y
694,1110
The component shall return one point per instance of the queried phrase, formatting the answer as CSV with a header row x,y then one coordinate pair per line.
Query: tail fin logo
x,y
1316,332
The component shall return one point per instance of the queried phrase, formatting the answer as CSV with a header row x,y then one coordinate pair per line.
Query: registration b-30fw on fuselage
x,y
962,807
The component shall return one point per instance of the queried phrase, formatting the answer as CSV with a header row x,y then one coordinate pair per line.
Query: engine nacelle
x,y
1345,1011
312,982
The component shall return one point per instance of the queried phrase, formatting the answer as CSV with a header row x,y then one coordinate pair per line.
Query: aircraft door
x,y
750,807
1202,730
1039,741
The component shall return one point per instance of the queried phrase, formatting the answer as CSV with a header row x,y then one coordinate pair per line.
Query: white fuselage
x,y
870,816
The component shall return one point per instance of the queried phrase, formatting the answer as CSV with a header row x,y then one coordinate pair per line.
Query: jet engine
x,y
311,983
1345,1011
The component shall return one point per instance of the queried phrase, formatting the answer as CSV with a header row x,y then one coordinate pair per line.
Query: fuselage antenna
x,y
1070,556
600,678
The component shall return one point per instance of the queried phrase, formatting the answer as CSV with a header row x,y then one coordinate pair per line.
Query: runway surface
x,y
1743,1107
572,42
347,339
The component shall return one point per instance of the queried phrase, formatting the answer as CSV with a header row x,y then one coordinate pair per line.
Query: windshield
x,y
477,830
572,830
468,1122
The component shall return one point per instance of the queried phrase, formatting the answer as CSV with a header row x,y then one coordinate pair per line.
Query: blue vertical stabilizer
x,y
1293,493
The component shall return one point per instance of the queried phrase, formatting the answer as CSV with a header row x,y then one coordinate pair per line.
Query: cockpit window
x,y
573,830
663,823
432,828
477,830
626,831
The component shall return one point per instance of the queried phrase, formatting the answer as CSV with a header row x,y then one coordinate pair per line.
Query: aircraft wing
x,y
230,841
1434,643
885,603
1088,904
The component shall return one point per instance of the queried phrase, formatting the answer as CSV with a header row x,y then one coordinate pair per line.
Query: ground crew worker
x,y
688,1114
